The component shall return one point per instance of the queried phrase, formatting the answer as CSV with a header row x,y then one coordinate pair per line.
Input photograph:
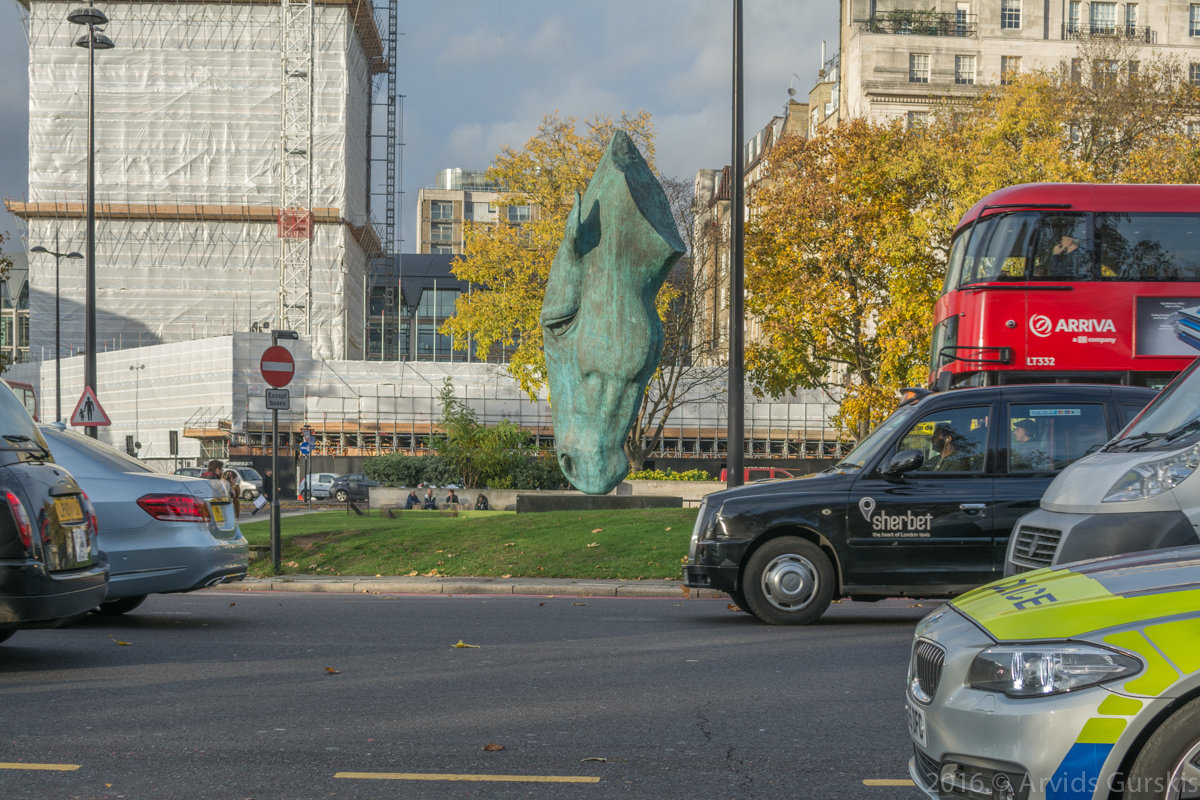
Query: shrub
x,y
669,475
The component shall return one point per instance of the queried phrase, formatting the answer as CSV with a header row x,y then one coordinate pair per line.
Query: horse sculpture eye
x,y
561,325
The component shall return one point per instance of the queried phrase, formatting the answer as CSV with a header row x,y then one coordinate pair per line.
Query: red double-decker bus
x,y
1052,282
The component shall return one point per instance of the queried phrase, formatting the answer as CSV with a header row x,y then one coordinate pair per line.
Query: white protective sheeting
x,y
187,113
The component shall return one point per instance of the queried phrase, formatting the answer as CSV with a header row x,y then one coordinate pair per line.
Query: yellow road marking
x,y
49,767
887,782
439,776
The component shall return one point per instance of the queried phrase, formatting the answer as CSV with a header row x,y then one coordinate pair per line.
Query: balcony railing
x,y
1130,33
922,23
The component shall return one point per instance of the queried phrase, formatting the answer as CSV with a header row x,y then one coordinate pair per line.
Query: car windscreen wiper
x,y
1183,430
17,438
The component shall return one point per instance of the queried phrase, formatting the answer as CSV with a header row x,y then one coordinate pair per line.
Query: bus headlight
x,y
1154,477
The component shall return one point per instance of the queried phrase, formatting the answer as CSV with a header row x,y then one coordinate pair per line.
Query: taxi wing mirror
x,y
902,462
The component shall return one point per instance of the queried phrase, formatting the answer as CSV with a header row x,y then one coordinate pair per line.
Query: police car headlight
x,y
1154,477
1037,670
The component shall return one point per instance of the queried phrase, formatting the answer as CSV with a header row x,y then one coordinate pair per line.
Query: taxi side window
x,y
952,440
1047,436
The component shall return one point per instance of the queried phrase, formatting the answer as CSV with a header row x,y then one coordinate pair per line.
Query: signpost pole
x,y
277,367
275,484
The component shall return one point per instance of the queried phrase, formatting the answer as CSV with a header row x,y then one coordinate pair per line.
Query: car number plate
x,y
218,514
916,723
68,509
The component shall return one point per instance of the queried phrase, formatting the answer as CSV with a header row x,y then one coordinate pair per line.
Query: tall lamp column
x,y
93,40
57,323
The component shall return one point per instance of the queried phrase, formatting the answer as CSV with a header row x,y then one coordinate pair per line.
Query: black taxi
x,y
921,507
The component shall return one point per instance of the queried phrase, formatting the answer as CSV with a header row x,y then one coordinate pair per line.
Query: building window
x,y
479,211
964,69
441,209
1104,73
962,23
518,214
1131,19
442,249
1193,129
917,119
1010,68
441,232
1133,69
918,68
1103,17
1073,17
1194,73
1194,19
1076,70
1010,14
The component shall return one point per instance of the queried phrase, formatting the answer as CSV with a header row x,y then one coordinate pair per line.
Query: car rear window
x,y
15,421
78,453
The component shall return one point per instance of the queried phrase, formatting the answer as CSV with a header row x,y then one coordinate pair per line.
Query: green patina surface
x,y
603,337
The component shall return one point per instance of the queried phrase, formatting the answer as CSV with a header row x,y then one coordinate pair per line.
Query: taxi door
x,y
933,525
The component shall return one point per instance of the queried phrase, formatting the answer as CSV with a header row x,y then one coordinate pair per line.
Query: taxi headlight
x,y
1154,477
1036,670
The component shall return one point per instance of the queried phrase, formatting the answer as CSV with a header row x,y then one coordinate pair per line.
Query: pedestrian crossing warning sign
x,y
88,411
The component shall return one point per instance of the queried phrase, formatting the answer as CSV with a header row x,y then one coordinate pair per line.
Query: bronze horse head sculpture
x,y
602,335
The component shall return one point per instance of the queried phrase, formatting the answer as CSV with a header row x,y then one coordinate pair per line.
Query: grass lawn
x,y
628,544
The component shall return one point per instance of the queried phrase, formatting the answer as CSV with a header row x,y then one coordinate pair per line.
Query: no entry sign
x,y
277,366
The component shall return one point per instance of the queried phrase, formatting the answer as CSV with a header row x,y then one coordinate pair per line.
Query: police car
x,y
921,507
1076,682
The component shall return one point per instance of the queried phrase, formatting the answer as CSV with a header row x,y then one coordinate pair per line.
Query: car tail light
x,y
174,507
90,511
24,528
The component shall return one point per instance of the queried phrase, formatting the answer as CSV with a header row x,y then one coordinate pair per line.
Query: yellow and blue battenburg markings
x,y
1062,603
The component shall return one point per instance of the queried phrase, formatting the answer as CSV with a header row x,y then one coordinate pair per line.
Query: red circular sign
x,y
277,366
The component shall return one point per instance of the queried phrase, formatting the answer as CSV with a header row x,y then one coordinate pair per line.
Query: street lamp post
x,y
93,40
57,329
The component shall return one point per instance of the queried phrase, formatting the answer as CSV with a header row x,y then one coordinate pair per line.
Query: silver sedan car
x,y
161,533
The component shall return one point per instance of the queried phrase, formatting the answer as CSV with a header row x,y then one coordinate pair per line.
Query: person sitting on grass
x,y
481,503
452,499
430,502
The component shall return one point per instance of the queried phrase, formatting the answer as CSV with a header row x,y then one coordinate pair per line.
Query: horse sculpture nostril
x,y
564,461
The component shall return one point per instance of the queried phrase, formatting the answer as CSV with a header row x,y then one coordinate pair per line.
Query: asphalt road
x,y
263,695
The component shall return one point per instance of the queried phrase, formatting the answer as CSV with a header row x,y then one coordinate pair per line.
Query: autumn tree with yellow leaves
x,y
849,232
508,264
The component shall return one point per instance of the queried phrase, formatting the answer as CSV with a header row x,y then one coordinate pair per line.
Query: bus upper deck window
x,y
1148,246
1064,249
999,248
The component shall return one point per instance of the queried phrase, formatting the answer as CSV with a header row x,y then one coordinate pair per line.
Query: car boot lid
x,y
1087,596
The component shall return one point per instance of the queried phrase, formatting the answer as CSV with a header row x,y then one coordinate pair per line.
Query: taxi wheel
x,y
120,605
1168,767
788,581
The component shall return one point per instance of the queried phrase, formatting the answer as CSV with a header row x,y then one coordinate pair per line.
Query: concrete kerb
x,y
469,586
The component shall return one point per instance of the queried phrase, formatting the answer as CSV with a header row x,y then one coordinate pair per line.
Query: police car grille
x,y
927,767
1034,547
929,659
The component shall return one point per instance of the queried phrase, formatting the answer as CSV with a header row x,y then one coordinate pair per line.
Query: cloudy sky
x,y
481,74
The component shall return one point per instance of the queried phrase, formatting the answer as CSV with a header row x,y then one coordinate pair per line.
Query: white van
x,y
1140,491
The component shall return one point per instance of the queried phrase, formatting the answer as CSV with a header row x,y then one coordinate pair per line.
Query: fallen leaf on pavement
x,y
579,604
732,607
461,643
333,671
493,747
120,643
594,758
